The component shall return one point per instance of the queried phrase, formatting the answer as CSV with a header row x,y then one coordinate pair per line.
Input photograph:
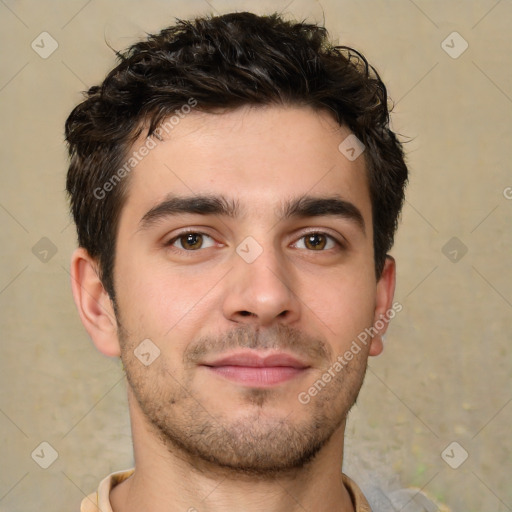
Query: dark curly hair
x,y
225,62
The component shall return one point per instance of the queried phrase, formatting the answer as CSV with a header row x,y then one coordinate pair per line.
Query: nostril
x,y
245,313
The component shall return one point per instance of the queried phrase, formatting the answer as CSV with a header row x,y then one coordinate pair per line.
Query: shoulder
x,y
99,501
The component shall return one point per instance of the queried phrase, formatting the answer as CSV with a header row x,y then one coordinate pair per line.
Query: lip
x,y
255,369
258,360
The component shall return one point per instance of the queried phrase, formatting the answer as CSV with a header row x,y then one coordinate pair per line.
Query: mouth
x,y
253,369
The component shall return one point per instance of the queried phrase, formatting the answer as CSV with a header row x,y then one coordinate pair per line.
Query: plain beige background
x,y
445,374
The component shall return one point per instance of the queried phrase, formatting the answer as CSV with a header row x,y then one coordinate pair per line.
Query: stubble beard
x,y
257,444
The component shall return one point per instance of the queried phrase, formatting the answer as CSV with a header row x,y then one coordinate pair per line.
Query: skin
x,y
201,440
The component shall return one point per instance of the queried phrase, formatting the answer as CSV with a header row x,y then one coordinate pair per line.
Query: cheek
x,y
161,303
344,302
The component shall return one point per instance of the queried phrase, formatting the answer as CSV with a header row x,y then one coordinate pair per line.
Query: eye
x,y
191,241
317,242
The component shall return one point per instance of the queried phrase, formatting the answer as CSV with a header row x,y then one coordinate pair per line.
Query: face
x,y
245,256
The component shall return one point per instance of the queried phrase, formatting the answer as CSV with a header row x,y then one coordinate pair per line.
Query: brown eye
x,y
191,241
315,241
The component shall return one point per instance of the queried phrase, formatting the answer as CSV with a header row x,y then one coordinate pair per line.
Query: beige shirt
x,y
99,501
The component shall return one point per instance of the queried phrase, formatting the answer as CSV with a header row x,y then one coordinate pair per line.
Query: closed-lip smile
x,y
256,369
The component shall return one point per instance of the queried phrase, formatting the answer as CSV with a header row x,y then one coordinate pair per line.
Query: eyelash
x,y
170,243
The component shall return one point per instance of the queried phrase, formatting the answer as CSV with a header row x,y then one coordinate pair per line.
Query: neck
x,y
168,480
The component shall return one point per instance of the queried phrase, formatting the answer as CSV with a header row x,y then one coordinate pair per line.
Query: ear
x,y
93,303
383,304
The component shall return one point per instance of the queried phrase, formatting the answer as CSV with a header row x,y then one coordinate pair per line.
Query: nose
x,y
261,292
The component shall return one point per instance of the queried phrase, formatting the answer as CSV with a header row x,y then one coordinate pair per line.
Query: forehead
x,y
256,155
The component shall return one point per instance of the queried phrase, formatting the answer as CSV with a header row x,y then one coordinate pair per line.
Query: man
x,y
236,190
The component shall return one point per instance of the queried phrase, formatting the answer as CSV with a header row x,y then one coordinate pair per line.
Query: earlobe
x,y
383,304
93,303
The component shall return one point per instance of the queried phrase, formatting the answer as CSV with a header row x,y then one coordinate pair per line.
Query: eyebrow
x,y
220,205
332,206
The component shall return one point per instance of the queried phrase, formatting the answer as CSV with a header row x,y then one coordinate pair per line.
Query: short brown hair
x,y
225,62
